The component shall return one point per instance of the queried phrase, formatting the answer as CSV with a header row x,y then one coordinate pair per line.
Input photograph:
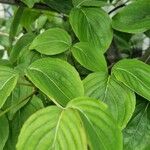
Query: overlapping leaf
x,y
66,129
52,41
4,131
57,79
102,131
91,58
137,132
8,80
92,25
30,3
135,74
120,99
55,129
19,119
134,18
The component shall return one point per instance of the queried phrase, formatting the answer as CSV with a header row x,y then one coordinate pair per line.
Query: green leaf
x,y
52,41
8,80
15,23
102,131
137,132
92,25
59,5
91,58
19,97
57,79
4,131
135,74
55,129
65,130
18,120
134,18
120,99
30,3
96,3
21,46
29,16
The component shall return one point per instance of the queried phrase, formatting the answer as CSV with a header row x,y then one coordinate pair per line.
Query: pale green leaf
x,y
102,130
8,80
52,41
18,97
92,25
137,132
120,99
4,131
135,74
91,58
133,18
57,79
54,129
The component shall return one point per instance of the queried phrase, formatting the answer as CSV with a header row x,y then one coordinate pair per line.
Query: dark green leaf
x,y
18,120
134,18
59,5
30,3
55,129
96,3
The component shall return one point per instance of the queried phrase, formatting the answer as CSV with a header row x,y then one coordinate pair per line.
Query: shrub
x,y
75,75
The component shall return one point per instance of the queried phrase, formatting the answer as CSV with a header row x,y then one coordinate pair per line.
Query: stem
x,y
3,33
26,84
13,106
116,8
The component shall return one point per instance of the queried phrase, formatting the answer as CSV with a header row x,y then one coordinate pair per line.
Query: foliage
x,y
75,76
